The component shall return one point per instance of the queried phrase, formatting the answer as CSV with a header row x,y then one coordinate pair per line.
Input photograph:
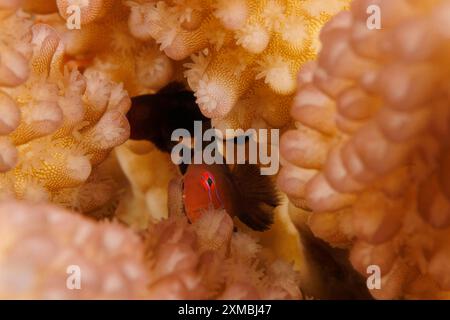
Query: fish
x,y
154,117
240,189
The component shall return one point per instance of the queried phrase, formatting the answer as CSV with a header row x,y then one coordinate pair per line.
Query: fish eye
x,y
207,181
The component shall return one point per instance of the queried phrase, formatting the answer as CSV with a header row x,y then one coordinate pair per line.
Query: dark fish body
x,y
154,117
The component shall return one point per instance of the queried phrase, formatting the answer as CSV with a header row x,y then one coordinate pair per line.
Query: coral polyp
x,y
67,123
96,37
214,262
15,52
245,54
45,244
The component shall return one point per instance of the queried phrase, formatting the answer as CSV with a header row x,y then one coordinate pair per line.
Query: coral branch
x,y
58,124
254,50
373,125
207,260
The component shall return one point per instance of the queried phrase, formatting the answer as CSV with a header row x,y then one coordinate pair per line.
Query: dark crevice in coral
x,y
339,280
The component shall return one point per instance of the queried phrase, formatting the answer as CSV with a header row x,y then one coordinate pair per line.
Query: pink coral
x,y
208,260
102,42
41,246
369,155
44,247
15,52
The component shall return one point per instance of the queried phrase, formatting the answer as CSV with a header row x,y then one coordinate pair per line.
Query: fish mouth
x,y
176,197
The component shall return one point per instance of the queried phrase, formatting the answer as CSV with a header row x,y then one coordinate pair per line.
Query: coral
x,y
245,54
15,52
208,260
144,199
365,153
67,124
103,43
283,241
370,153
99,195
43,244
44,247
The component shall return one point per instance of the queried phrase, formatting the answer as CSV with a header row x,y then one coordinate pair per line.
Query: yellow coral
x,y
68,124
245,53
370,155
145,195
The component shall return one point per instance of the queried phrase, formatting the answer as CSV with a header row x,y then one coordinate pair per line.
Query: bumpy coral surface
x,y
58,124
370,154
245,53
208,260
102,42
15,52
368,160
50,253
44,249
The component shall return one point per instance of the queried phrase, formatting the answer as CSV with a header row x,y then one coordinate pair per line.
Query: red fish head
x,y
207,187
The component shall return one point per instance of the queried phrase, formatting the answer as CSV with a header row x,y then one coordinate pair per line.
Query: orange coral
x,y
103,43
245,53
370,154
207,260
68,123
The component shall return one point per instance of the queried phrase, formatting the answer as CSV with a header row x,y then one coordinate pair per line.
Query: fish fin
x,y
257,194
154,117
